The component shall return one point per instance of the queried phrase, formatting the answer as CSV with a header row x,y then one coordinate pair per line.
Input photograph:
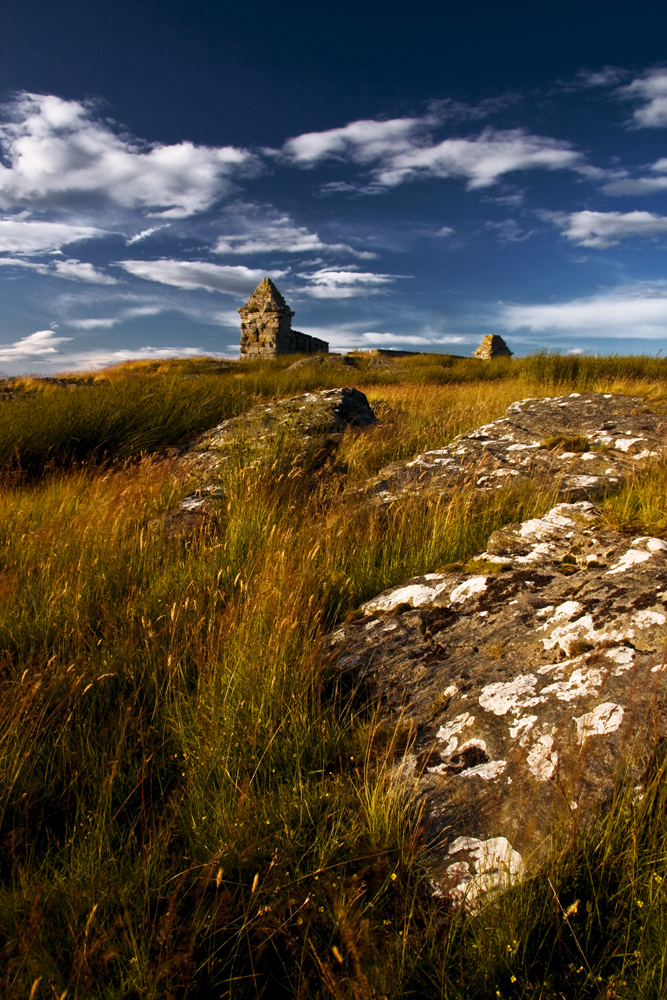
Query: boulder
x,y
492,346
307,428
531,681
585,442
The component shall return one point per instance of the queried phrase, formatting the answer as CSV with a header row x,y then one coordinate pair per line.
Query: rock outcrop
x,y
531,683
492,346
586,442
266,327
306,428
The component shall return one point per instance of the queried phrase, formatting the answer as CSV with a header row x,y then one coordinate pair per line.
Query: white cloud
x,y
509,231
22,262
403,149
33,347
93,324
72,269
49,360
410,339
329,284
77,270
283,237
60,154
651,90
640,185
232,280
624,313
604,229
608,76
21,236
144,234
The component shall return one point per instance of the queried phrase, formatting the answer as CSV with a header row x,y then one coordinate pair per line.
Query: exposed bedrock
x,y
587,442
530,686
308,425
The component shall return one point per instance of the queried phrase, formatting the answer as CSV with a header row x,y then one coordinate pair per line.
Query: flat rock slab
x,y
587,442
530,685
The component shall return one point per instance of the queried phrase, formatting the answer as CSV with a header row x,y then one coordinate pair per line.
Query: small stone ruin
x,y
266,327
492,346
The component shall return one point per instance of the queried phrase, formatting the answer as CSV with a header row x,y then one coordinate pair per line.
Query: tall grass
x,y
141,407
191,806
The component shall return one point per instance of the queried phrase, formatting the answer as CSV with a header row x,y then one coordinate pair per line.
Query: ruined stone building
x,y
266,327
493,346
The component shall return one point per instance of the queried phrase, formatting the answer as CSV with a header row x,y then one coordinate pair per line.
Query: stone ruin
x,y
492,346
266,327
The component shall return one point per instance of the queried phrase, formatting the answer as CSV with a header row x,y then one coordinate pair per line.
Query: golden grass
x,y
190,804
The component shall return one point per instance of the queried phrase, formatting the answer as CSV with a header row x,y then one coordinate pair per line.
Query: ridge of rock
x,y
529,687
587,442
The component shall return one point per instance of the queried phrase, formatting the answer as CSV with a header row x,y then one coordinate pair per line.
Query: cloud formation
x,y
61,154
280,235
624,313
605,229
232,280
651,90
70,268
19,235
641,185
35,347
403,149
327,283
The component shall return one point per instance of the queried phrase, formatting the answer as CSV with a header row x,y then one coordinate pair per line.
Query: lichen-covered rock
x,y
323,361
586,442
530,684
309,425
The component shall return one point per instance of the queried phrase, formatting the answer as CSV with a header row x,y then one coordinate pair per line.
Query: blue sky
x,y
409,178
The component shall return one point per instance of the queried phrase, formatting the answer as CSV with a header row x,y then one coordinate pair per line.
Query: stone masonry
x,y
266,327
492,346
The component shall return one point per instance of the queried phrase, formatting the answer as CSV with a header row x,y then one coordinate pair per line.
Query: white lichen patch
x,y
496,866
476,585
625,444
647,618
416,594
502,697
489,771
604,719
628,559
542,759
523,726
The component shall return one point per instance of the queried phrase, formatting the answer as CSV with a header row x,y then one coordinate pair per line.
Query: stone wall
x,y
266,327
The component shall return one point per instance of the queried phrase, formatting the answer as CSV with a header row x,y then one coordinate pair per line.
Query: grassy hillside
x,y
189,804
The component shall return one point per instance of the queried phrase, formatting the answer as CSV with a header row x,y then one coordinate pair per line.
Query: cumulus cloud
x,y
61,153
35,347
605,229
21,236
651,90
622,313
403,149
232,280
329,284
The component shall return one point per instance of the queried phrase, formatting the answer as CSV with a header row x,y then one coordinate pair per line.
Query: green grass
x,y
191,805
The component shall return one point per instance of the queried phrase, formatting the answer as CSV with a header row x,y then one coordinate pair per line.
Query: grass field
x,y
189,805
